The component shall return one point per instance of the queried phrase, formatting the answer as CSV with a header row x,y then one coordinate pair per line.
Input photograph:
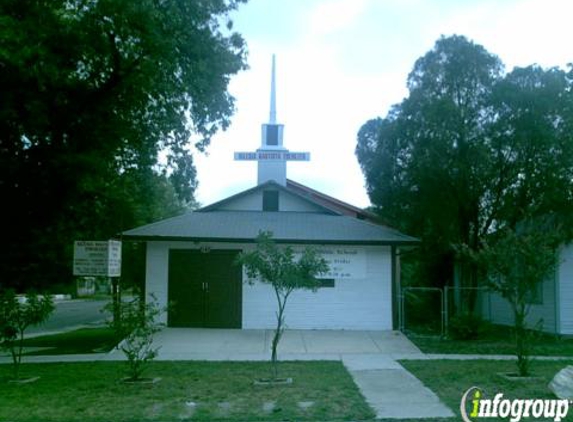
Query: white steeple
x,y
273,113
272,156
272,132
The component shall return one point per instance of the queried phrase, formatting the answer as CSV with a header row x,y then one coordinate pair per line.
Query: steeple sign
x,y
272,156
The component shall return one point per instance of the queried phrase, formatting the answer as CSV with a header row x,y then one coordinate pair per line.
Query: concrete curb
x,y
60,297
96,324
55,298
439,356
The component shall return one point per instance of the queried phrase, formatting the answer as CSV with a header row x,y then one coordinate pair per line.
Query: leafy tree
x,y
136,326
92,91
425,154
471,150
532,147
516,262
278,266
16,316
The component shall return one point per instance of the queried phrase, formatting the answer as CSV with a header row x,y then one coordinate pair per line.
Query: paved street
x,y
70,314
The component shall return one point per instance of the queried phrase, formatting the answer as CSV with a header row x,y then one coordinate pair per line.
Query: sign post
x,y
97,258
100,259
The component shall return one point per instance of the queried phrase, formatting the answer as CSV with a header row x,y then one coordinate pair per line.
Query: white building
x,y
191,258
551,305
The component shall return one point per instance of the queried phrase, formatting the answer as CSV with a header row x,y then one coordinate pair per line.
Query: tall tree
x,y
532,147
91,92
469,151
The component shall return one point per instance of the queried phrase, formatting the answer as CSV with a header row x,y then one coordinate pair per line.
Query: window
x,y
272,135
270,200
326,282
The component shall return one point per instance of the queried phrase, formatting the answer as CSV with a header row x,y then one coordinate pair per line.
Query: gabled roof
x,y
337,222
330,202
287,227
270,184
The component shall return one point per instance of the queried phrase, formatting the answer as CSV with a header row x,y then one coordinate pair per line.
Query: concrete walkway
x,y
228,344
369,356
392,391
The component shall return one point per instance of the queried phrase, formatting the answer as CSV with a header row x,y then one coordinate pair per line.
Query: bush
x,y
136,324
15,316
466,326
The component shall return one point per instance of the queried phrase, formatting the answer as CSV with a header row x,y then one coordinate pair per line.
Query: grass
x,y
84,340
449,379
495,340
219,390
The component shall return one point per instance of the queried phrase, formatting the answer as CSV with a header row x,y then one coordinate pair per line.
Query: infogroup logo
x,y
475,406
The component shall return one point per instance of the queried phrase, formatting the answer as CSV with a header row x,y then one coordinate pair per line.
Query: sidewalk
x,y
392,391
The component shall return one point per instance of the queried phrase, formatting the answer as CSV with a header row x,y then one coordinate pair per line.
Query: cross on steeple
x,y
272,155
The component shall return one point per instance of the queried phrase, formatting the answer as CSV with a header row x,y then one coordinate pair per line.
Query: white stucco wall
x,y
251,202
254,202
355,303
289,202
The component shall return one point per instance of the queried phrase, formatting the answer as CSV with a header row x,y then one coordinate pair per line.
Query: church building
x,y
191,258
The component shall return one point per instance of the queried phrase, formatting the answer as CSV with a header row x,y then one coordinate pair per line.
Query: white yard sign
x,y
97,258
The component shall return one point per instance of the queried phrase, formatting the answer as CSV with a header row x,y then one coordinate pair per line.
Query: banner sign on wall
x,y
343,262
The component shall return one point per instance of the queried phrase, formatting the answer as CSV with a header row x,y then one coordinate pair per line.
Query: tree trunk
x,y
276,338
521,346
17,354
115,299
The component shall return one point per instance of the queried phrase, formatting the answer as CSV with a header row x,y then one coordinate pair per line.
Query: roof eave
x,y
148,238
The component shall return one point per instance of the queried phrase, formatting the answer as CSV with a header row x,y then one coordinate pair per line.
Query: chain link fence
x,y
422,311
429,310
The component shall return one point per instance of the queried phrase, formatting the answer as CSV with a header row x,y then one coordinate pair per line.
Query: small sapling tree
x,y
136,324
279,267
16,316
516,262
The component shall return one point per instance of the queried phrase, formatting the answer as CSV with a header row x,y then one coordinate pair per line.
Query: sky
x,y
343,62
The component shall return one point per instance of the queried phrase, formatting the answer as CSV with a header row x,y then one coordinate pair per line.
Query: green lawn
x,y
84,340
202,391
496,340
449,379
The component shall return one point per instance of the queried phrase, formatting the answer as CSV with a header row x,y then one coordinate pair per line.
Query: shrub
x,y
15,316
466,326
136,325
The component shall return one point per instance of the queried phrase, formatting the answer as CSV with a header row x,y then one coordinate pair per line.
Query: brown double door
x,y
205,289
